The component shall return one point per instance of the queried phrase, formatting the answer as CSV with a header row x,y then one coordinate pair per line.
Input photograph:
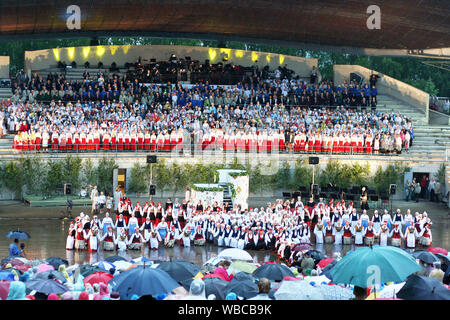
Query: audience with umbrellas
x,y
378,272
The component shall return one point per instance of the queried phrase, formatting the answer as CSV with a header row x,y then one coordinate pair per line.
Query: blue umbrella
x,y
425,256
423,288
5,275
17,234
367,266
142,281
46,286
246,288
56,262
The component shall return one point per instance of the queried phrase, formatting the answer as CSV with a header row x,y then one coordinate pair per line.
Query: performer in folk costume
x,y
234,236
153,240
108,240
410,236
249,240
227,233
136,240
384,234
358,233
260,240
107,222
270,240
80,243
171,237
121,241
386,218
364,199
186,237
120,224
397,218
319,231
132,224
93,239
329,233
396,235
338,232
364,219
425,235
147,227
408,219
376,220
369,235
70,242
138,213
305,234
162,228
354,217
348,233
199,236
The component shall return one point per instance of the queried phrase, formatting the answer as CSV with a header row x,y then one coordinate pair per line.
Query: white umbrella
x,y
105,265
391,290
317,279
235,254
297,290
122,265
335,292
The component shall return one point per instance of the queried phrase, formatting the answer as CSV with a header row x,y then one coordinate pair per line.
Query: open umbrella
x,y
436,250
50,273
423,288
44,267
142,260
246,289
46,286
142,280
180,269
335,292
235,254
368,266
87,269
215,286
17,234
243,266
316,255
13,262
214,275
297,290
4,289
302,246
324,262
113,259
426,256
6,275
9,258
56,262
122,265
22,267
186,283
98,277
105,265
273,272
241,276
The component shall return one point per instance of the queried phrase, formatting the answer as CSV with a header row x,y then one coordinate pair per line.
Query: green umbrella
x,y
243,266
368,266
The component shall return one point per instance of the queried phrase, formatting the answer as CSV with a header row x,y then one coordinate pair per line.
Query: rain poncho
x,y
197,290
62,269
17,291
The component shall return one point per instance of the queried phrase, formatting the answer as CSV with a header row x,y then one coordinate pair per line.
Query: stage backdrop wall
x,y
43,59
4,67
240,184
206,197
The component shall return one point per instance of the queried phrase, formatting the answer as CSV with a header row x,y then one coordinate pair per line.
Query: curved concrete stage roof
x,y
408,24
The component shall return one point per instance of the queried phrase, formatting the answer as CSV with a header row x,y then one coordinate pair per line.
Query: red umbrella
x,y
324,262
98,277
4,289
288,278
14,262
302,246
22,267
438,250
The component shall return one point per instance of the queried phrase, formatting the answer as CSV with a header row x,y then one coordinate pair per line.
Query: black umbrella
x,y
426,256
246,289
240,276
113,259
180,269
186,283
87,269
215,286
423,288
46,286
142,281
17,234
316,255
273,272
50,273
56,262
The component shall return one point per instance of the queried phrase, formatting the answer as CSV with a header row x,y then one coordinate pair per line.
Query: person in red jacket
x,y
222,272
